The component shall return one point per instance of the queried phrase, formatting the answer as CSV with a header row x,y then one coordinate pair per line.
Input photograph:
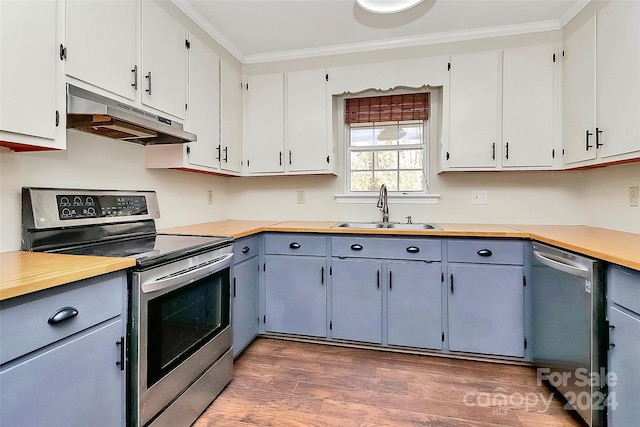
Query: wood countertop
x,y
609,245
25,272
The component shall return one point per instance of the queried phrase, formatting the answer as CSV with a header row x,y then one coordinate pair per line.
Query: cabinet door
x,y
264,143
204,104
528,106
74,383
618,81
245,303
296,301
486,309
164,61
356,300
307,121
28,73
579,82
414,307
473,109
102,44
231,118
623,362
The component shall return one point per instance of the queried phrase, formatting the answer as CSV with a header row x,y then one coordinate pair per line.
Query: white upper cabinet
x,y
601,105
307,148
264,131
579,82
32,98
286,124
474,110
164,61
204,104
618,80
501,109
102,44
528,106
231,118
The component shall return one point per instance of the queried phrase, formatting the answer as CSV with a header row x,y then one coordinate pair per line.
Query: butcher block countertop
x,y
609,245
25,272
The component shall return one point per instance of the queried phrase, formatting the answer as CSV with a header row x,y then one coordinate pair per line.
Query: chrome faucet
x,y
383,205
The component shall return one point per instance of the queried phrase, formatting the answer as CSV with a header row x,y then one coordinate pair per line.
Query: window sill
x,y
423,199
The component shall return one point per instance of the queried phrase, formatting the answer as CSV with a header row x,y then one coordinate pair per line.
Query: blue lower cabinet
x,y
356,300
624,346
246,308
486,309
414,304
296,295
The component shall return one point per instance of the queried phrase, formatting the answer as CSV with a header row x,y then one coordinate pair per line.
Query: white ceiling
x,y
265,30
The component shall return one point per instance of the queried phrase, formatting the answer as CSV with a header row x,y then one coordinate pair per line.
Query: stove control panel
x,y
77,206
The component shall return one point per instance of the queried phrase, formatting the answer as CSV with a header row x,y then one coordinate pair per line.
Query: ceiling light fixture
x,y
387,6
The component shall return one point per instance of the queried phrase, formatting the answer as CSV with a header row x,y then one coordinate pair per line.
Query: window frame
x,y
430,135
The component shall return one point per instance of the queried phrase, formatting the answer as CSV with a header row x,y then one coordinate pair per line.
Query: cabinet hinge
x,y
57,118
326,76
331,325
448,66
525,343
187,44
447,155
188,150
443,337
524,280
554,57
63,53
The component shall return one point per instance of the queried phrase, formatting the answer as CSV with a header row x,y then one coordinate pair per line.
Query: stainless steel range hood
x,y
93,113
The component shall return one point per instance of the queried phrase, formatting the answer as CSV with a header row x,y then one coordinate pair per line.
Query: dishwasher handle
x,y
556,264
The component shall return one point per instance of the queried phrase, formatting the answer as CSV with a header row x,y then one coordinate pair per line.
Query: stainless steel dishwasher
x,y
569,329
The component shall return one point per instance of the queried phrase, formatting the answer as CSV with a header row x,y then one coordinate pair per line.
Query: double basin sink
x,y
386,225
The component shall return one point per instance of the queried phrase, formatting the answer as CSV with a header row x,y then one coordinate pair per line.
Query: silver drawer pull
x,y
65,313
356,247
294,245
485,252
413,249
245,249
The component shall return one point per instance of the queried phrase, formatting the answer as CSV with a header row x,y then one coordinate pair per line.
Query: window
x,y
387,143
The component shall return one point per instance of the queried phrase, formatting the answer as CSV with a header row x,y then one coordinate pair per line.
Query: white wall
x,y
96,162
606,197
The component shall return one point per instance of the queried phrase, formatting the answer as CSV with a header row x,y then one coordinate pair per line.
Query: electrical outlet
x,y
634,197
209,197
479,197
300,196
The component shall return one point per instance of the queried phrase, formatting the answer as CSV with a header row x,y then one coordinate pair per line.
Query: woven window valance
x,y
387,108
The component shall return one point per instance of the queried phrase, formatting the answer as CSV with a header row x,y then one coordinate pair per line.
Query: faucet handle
x,y
408,219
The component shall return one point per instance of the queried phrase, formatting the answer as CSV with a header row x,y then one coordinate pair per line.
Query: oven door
x,y
182,313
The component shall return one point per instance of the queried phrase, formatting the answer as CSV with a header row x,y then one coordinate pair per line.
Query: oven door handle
x,y
189,276
574,270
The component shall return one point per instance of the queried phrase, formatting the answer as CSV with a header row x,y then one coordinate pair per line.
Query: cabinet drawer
x,y
624,288
245,248
387,248
486,251
295,244
24,325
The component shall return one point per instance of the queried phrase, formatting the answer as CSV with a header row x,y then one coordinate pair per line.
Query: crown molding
x,y
570,13
430,39
197,17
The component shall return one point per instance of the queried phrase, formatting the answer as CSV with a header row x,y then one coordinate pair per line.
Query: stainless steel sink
x,y
389,225
367,225
414,226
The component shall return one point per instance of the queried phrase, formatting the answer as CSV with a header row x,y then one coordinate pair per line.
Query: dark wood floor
x,y
282,383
